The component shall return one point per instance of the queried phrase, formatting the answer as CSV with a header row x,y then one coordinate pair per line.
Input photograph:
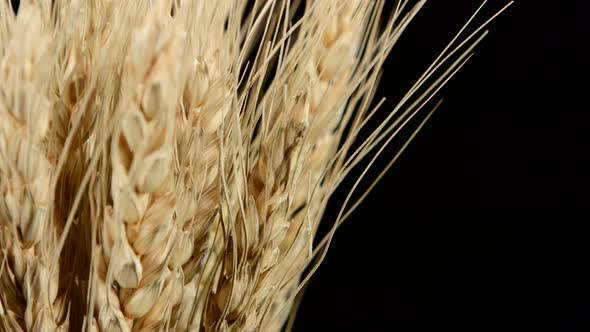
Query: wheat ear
x,y
137,230
297,151
206,98
30,288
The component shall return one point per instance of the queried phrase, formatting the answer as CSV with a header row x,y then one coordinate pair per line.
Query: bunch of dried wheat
x,y
164,165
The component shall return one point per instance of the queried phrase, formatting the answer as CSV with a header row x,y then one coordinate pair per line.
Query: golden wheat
x,y
165,165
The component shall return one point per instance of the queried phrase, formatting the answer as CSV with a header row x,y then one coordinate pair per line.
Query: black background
x,y
481,224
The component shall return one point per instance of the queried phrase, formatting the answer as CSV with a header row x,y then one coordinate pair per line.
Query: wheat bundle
x,y
165,165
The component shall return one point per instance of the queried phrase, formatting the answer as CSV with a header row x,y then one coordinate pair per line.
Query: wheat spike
x,y
206,99
137,230
30,301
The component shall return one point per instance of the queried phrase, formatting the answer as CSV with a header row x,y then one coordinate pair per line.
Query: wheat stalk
x,y
165,165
